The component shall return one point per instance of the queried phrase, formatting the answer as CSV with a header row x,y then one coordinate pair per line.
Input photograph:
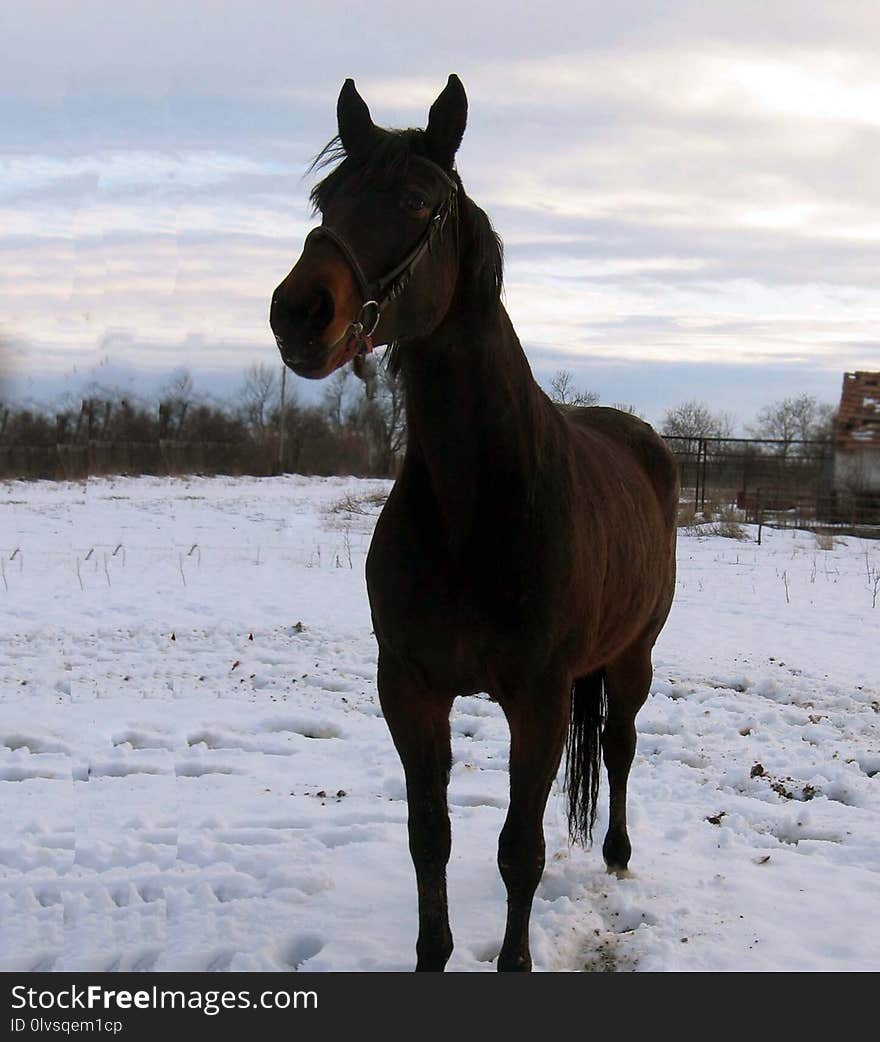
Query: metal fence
x,y
770,481
773,482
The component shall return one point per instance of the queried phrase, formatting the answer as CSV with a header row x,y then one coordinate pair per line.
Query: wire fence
x,y
769,481
772,482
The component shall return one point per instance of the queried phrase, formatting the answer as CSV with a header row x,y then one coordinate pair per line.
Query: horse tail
x,y
583,754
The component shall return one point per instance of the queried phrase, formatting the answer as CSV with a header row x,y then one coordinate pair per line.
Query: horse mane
x,y
481,271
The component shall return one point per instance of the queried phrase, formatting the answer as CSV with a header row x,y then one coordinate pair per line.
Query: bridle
x,y
379,293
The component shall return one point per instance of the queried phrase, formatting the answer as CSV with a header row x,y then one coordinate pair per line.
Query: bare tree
x,y
4,363
381,415
800,418
257,396
826,420
336,395
563,391
627,407
694,419
175,399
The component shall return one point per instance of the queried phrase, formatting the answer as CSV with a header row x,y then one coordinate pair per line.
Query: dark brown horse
x,y
526,550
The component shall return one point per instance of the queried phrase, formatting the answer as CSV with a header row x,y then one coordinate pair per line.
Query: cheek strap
x,y
377,295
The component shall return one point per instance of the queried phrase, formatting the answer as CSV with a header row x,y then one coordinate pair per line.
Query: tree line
x,y
356,427
784,423
789,427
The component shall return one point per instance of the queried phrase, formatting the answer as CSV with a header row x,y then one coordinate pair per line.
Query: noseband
x,y
379,293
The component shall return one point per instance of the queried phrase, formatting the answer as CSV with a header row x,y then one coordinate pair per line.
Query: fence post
x,y
760,515
697,480
702,467
282,421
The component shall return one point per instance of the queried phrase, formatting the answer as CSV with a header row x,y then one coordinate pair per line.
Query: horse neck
x,y
477,422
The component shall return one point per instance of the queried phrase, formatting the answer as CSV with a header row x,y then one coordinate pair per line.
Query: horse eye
x,y
415,202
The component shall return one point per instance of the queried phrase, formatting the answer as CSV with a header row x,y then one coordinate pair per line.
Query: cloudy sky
x,y
689,193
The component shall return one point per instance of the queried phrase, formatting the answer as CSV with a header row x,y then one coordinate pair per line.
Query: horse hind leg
x,y
628,683
537,737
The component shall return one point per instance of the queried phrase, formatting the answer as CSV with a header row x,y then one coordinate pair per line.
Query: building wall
x,y
857,470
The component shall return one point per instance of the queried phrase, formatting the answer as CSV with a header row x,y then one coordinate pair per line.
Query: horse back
x,y
623,432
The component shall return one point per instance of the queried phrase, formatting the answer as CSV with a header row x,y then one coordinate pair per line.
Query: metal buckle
x,y
362,323
363,337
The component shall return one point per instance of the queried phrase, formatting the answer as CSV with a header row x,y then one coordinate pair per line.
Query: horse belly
x,y
637,595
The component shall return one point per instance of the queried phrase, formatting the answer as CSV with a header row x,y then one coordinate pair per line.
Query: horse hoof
x,y
616,851
622,872
520,964
434,959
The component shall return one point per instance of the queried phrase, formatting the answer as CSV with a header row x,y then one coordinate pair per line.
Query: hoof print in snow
x,y
300,950
197,769
487,952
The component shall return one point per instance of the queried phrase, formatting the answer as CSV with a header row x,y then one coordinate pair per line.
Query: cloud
x,y
676,183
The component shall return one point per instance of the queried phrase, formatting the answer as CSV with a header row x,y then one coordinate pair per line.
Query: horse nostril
x,y
319,310
298,321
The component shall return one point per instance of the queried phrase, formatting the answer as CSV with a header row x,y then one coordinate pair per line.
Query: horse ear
x,y
446,122
357,131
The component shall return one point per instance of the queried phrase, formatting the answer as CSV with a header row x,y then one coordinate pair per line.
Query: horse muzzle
x,y
313,311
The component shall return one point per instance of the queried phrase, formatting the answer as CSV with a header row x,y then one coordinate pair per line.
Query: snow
x,y
195,773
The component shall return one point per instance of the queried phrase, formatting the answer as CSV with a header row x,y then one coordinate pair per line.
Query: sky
x,y
688,193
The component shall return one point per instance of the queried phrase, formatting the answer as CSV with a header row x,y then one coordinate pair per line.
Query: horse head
x,y
382,266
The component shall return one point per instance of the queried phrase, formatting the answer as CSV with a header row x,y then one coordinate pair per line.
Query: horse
x,y
525,550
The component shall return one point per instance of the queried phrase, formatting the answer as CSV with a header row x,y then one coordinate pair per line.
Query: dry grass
x,y
687,516
722,520
367,505
726,529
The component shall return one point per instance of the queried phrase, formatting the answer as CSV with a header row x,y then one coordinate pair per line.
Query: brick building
x,y
857,435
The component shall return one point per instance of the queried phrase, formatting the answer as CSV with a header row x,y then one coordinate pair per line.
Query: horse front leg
x,y
537,737
419,723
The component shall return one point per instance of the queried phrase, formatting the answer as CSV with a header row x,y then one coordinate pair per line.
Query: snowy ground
x,y
195,774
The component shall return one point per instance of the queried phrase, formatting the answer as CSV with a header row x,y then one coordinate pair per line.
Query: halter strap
x,y
377,295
